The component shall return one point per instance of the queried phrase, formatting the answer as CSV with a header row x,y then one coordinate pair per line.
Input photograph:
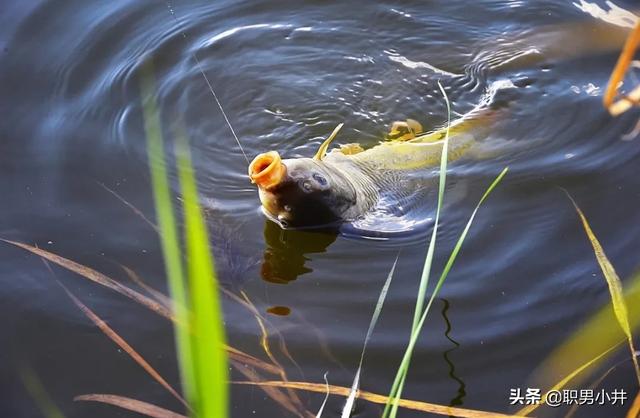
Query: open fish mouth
x,y
267,170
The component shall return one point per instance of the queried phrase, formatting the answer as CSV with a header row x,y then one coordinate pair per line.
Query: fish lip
x,y
272,217
267,170
321,227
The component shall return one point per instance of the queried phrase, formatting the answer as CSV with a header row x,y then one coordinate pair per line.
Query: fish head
x,y
301,192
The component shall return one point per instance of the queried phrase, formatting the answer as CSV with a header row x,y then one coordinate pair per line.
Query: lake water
x,y
287,72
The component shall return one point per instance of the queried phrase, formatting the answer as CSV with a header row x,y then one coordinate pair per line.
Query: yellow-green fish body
x,y
347,182
424,150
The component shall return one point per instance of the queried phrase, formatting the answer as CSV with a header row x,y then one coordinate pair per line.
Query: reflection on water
x,y
279,310
459,399
286,251
287,73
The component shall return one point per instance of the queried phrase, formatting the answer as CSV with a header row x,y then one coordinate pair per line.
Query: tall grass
x,y
420,313
601,335
39,394
614,284
348,406
199,331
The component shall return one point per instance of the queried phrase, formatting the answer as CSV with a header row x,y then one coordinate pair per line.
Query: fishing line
x,y
213,93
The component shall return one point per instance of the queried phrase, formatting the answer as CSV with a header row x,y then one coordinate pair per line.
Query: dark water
x,y
287,74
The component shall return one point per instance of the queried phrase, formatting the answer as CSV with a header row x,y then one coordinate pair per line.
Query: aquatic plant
x,y
379,399
623,102
420,314
199,329
615,287
348,406
38,393
601,335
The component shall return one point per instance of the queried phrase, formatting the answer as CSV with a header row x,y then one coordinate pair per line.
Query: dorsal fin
x,y
404,130
325,145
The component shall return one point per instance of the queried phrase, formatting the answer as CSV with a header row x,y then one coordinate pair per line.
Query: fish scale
x,y
381,173
349,183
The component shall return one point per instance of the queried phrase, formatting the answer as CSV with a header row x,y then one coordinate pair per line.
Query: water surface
x,y
287,73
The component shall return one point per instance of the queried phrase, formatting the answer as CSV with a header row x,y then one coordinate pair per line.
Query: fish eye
x,y
320,179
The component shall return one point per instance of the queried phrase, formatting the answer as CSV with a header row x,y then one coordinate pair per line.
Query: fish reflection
x,y
279,310
286,251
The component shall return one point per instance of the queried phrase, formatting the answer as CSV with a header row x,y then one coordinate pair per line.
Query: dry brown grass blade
x,y
273,392
244,358
634,412
132,207
147,302
291,401
96,277
617,76
261,320
321,340
236,354
134,405
264,343
381,399
157,295
615,286
109,332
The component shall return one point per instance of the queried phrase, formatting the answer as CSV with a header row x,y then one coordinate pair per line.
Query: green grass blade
x,y
208,337
426,269
561,384
615,286
39,394
592,343
168,229
404,366
348,406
